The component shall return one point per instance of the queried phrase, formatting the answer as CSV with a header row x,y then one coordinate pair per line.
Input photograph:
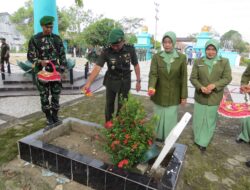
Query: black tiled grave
x,y
95,173
64,166
114,182
50,161
79,172
37,156
24,151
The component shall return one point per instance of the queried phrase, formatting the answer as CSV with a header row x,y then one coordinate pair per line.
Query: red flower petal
x,y
108,125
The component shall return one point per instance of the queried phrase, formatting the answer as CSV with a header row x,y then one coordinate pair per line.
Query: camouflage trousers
x,y
5,60
45,89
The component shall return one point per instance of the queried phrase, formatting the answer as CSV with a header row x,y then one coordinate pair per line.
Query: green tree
x,y
131,38
233,38
23,19
130,25
63,22
80,19
79,3
96,34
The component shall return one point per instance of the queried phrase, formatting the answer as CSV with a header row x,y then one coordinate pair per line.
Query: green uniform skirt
x,y
245,133
204,123
167,119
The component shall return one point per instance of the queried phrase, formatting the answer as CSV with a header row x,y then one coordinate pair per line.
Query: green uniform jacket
x,y
170,87
46,47
220,76
245,78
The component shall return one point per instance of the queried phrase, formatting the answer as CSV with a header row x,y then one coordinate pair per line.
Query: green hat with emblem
x,y
115,36
45,20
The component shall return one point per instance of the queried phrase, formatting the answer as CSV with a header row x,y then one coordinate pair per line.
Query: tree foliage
x,y
131,25
96,34
236,39
131,38
79,3
24,20
80,19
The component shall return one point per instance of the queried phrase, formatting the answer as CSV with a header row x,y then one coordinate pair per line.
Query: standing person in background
x,y
5,55
199,54
43,48
190,56
245,123
193,56
210,75
117,80
167,84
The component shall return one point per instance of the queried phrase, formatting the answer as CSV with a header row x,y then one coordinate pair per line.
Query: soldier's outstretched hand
x,y
44,63
138,86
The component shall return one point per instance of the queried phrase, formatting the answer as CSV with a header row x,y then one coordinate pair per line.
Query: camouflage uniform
x,y
118,76
48,47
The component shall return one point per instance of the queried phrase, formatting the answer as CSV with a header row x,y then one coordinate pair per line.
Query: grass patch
x,y
195,165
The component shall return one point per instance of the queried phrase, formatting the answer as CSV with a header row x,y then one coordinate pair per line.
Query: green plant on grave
x,y
129,135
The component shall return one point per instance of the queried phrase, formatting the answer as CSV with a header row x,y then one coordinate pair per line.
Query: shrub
x,y
127,136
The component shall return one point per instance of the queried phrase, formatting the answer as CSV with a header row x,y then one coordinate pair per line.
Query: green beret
x,y
115,36
47,20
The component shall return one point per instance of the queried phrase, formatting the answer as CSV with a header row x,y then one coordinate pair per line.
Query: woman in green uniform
x,y
210,75
167,84
245,123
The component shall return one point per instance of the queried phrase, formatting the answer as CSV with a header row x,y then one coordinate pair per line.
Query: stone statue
x,y
144,29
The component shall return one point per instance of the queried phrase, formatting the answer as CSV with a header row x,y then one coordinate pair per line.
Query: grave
x,y
52,150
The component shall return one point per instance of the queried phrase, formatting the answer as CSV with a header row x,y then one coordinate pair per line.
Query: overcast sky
x,y
181,16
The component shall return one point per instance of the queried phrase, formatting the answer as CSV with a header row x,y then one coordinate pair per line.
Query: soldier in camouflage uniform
x,y
117,80
45,47
5,55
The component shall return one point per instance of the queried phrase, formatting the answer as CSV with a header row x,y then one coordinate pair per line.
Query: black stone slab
x,y
50,161
24,151
37,156
95,173
80,172
64,166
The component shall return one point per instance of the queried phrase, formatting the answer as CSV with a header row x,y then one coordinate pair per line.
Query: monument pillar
x,y
44,8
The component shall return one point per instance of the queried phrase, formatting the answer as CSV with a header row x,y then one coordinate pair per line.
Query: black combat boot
x,y
50,122
248,163
55,118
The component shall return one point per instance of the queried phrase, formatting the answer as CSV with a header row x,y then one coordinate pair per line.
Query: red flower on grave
x,y
122,163
134,146
127,136
125,141
150,142
108,125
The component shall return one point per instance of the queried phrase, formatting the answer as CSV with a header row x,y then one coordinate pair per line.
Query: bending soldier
x,y
117,80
